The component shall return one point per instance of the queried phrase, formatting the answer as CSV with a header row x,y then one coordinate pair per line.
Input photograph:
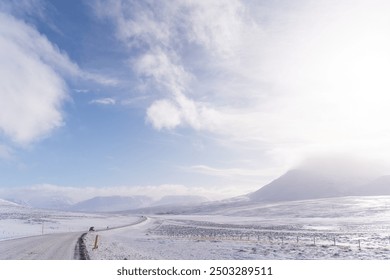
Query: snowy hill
x,y
123,203
111,203
7,203
303,184
44,202
103,203
379,186
298,185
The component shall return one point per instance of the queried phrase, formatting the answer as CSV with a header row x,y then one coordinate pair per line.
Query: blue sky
x,y
206,97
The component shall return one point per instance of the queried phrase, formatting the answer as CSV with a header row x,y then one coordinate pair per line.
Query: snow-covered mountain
x,y
302,184
111,203
44,202
4,202
105,203
123,203
379,186
297,185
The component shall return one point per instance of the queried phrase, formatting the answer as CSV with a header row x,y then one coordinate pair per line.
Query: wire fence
x,y
359,240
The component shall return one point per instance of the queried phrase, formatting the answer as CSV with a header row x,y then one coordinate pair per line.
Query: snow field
x,y
18,221
342,228
165,238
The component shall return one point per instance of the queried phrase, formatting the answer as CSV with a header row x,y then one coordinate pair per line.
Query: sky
x,y
215,98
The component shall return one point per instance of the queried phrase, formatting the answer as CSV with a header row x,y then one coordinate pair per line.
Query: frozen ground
x,y
162,238
28,233
19,221
339,228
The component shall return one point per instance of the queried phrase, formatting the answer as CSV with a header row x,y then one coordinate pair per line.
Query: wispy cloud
x,y
227,172
103,101
289,80
97,78
24,7
243,177
81,90
162,30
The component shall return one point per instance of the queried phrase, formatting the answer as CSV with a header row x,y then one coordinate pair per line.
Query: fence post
x,y
334,241
314,240
359,245
96,242
297,239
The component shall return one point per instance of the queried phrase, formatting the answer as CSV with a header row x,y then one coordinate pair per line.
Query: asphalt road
x,y
60,246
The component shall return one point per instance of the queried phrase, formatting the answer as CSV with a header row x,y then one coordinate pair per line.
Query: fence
x,y
359,240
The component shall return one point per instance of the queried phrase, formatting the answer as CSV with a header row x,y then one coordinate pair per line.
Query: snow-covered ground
x,y
337,228
21,221
186,238
28,233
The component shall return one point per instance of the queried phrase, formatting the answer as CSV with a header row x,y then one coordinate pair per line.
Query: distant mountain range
x,y
302,184
106,203
44,202
111,203
295,185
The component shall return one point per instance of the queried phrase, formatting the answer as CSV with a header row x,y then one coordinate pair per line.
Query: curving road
x,y
59,246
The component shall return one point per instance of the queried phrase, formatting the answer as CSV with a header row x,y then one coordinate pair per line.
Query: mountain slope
x,y
302,184
44,202
379,186
111,203
299,185
7,203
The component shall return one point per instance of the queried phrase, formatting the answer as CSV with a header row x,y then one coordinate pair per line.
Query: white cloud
x,y
164,114
244,177
32,91
103,101
227,172
81,90
288,80
97,78
214,25
346,166
212,30
163,71
33,86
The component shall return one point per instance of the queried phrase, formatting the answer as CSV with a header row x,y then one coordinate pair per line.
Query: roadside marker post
x,y
96,242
